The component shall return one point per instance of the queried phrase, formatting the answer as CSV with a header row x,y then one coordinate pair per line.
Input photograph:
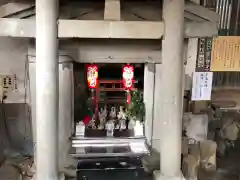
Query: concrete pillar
x,y
66,103
171,105
191,62
66,116
192,50
46,89
149,75
112,10
157,106
32,94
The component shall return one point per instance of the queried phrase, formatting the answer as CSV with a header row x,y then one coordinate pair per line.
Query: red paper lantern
x,y
92,76
128,76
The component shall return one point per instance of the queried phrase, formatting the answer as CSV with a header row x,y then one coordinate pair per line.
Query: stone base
x,y
61,177
152,162
157,176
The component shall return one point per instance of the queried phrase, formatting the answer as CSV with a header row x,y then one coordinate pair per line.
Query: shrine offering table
x,y
109,158
110,168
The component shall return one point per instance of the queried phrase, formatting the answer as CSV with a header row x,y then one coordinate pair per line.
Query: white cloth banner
x,y
202,86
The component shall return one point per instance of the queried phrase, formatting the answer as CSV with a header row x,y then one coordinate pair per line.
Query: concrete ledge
x,y
157,176
104,29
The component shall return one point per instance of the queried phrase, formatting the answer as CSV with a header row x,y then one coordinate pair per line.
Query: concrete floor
x,y
228,167
16,166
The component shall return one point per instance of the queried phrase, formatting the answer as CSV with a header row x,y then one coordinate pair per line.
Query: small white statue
x,y
80,128
101,124
103,113
102,121
113,113
117,126
122,117
92,124
138,129
122,124
102,118
132,123
122,114
105,110
109,126
100,112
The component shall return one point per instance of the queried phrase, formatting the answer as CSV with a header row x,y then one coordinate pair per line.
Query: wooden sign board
x,y
204,55
226,53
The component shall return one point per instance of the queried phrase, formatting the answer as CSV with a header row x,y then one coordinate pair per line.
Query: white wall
x,y
13,58
16,114
112,51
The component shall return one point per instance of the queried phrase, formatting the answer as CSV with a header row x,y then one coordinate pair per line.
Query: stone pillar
x,y
65,110
191,62
192,50
46,90
66,103
157,106
149,74
32,98
170,107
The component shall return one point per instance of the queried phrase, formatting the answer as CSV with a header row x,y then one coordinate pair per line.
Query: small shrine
x,y
120,116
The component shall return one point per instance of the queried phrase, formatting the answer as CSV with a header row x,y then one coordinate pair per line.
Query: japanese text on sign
x,y
202,86
204,55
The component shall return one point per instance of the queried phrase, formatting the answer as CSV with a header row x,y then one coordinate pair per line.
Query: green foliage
x,y
137,106
83,106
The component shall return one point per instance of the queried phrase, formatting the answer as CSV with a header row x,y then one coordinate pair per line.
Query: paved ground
x,y
228,168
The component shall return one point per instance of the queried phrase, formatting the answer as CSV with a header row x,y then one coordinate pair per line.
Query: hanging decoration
x,y
92,76
128,76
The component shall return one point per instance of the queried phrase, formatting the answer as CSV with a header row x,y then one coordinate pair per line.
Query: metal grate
x,y
226,80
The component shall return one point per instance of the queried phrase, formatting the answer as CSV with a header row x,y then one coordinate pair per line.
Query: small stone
x,y
184,146
194,150
190,167
208,150
61,176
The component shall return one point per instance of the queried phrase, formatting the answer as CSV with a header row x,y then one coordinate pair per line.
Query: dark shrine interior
x,y
110,72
